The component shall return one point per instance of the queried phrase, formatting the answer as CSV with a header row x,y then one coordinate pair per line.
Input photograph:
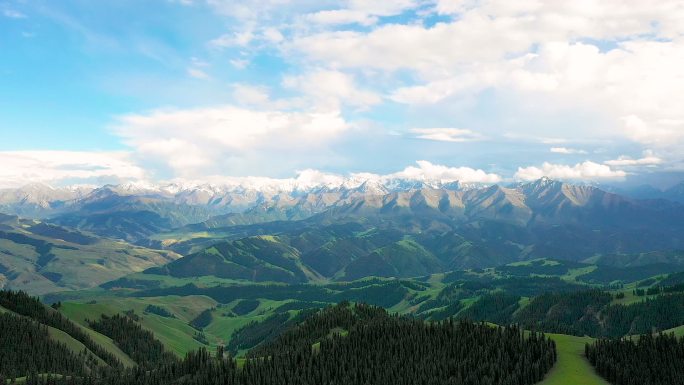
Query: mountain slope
x,y
38,200
443,230
137,213
675,193
41,258
405,258
254,258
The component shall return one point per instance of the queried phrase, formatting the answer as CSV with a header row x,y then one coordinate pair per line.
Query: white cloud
x,y
383,8
564,53
229,139
342,16
197,73
273,35
566,150
312,178
239,63
249,11
75,167
445,174
361,12
12,14
582,171
647,160
451,7
331,88
251,95
534,138
238,39
446,134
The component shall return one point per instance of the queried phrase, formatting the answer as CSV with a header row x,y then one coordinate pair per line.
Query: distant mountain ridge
x,y
405,229
419,232
136,212
673,193
41,200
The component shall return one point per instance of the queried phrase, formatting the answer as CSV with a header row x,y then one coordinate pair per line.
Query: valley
x,y
241,282
341,192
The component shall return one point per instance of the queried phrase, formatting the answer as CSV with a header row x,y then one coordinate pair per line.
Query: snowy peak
x,y
308,194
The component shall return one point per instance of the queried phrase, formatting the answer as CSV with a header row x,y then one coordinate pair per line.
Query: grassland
x,y
77,346
678,331
174,333
72,344
42,262
110,346
572,368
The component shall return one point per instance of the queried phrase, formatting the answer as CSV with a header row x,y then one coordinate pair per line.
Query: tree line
x,y
132,339
26,347
23,304
645,360
344,344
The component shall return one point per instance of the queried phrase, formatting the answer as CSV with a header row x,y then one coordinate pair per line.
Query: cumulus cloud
x,y
647,160
251,95
445,174
238,39
493,29
446,134
361,12
582,171
424,171
75,167
566,150
561,52
342,16
273,35
617,62
312,178
197,73
331,88
228,137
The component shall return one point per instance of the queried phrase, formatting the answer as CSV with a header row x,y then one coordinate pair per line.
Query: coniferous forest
x,y
138,343
645,360
23,304
26,347
341,192
357,344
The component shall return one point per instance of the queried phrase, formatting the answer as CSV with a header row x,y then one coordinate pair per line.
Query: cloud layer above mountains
x,y
477,91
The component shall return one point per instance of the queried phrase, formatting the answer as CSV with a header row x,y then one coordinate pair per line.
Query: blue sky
x,y
482,91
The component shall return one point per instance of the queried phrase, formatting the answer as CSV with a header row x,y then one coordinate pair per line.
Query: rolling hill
x,y
42,258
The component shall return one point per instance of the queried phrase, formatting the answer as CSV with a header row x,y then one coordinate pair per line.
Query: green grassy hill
x,y
78,348
42,258
260,258
71,343
572,367
174,333
405,258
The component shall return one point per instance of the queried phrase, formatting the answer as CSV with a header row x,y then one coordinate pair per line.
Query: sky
x,y
485,91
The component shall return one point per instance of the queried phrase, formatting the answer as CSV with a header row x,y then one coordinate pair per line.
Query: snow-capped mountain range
x,y
233,195
135,211
229,195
